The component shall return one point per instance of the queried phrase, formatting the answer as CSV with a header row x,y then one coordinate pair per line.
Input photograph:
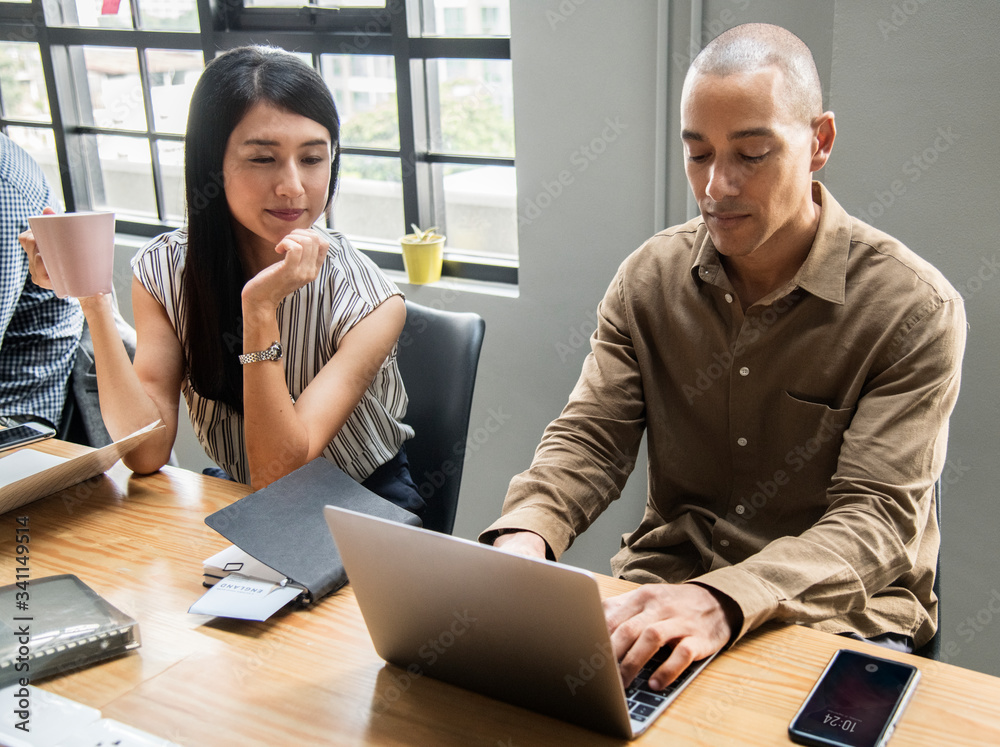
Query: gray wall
x,y
595,89
914,88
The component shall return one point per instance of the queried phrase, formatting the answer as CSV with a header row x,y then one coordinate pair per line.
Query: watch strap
x,y
271,353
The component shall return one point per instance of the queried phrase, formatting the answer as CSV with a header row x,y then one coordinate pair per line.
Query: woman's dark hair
x,y
214,275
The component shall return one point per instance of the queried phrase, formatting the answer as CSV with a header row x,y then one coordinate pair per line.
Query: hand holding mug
x,y
72,253
36,266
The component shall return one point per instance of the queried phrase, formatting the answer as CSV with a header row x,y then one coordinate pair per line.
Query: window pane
x,y
364,88
466,18
369,203
126,177
173,74
480,209
115,88
171,157
476,107
41,145
22,82
319,3
112,14
175,15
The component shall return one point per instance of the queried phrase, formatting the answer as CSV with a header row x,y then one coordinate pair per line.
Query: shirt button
x,y
741,508
741,441
724,543
744,371
729,298
704,270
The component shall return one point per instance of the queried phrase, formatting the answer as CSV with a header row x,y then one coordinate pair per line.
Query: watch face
x,y
272,352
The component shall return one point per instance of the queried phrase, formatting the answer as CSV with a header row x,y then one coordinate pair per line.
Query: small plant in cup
x,y
422,237
423,253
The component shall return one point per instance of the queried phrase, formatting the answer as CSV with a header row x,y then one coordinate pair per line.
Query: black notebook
x,y
283,527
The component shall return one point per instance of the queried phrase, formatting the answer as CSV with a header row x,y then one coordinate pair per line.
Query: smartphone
x,y
25,433
855,703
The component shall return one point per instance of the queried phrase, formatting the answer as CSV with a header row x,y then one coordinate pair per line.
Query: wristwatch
x,y
272,353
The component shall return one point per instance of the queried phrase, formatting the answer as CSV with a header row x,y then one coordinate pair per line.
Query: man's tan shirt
x,y
793,449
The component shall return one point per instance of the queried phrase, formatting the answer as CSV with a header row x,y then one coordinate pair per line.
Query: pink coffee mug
x,y
78,250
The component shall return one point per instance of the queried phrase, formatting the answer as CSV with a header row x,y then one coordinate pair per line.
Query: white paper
x,y
65,472
52,718
110,732
25,463
245,598
235,560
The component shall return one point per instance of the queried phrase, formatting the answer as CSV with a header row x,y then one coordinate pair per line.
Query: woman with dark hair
x,y
280,335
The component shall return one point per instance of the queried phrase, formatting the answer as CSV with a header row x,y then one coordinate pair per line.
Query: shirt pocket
x,y
811,435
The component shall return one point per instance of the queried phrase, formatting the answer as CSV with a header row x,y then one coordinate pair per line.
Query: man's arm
x,y
528,544
587,453
584,459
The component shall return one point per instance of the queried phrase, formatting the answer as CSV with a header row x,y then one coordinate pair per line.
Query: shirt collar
x,y
824,272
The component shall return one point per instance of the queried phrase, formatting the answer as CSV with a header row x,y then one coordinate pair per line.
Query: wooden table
x,y
311,676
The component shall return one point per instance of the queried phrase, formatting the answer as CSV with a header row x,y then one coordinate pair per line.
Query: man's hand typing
x,y
693,620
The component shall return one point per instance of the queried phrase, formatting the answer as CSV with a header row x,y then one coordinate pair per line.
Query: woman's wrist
x,y
95,305
257,312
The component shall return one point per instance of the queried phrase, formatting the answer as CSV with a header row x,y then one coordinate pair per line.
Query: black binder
x,y
283,527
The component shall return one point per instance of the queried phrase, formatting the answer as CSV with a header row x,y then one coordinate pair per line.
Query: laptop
x,y
526,631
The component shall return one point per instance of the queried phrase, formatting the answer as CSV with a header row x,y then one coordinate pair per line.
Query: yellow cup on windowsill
x,y
423,253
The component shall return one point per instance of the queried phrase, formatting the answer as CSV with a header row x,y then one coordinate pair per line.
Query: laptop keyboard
x,y
645,704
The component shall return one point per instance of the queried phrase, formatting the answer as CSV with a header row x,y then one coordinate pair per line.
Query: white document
x,y
245,598
235,560
25,463
27,474
50,720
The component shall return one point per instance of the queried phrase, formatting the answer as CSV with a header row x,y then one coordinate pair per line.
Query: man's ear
x,y
824,133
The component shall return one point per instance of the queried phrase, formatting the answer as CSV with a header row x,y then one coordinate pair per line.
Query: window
x,y
98,94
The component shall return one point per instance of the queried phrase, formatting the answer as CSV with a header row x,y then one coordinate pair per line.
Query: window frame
x,y
310,30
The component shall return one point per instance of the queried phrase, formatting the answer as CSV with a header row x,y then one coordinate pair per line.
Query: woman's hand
x,y
39,275
304,251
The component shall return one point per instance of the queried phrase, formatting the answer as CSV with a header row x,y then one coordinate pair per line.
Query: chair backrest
x,y
438,356
932,649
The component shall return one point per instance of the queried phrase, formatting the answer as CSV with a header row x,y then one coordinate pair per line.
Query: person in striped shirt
x,y
280,335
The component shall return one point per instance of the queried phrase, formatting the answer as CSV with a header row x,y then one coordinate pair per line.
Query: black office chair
x,y
81,421
932,649
438,356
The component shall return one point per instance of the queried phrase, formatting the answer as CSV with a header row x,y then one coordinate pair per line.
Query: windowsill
x,y
461,285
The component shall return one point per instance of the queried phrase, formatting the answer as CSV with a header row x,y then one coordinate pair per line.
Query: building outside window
x,y
98,94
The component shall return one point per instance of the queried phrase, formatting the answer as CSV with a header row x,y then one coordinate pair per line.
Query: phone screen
x,y
23,434
855,701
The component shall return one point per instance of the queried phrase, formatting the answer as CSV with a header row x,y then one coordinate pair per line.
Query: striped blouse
x,y
312,322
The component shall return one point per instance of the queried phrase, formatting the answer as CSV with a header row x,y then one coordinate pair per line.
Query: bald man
x,y
793,369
